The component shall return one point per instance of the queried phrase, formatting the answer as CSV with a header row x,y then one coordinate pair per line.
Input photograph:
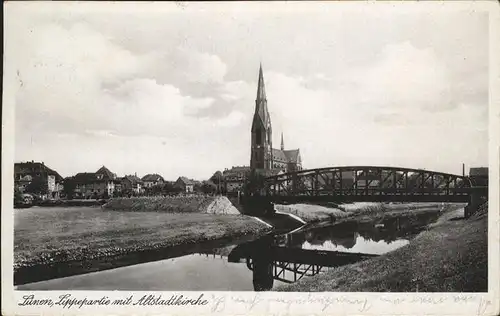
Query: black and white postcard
x,y
233,158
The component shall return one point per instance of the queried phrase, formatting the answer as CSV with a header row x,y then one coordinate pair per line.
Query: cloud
x,y
237,90
202,67
235,118
170,94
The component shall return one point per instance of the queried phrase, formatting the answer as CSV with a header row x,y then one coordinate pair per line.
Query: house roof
x,y
186,180
31,168
107,174
236,171
481,171
84,177
152,177
133,179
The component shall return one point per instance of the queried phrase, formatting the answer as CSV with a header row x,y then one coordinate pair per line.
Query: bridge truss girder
x,y
369,183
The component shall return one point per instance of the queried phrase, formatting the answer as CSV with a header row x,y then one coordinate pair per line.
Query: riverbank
x,y
451,256
85,239
317,214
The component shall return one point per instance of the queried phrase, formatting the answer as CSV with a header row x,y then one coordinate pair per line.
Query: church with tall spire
x,y
263,156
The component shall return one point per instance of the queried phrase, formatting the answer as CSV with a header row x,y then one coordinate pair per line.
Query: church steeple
x,y
282,142
261,156
261,89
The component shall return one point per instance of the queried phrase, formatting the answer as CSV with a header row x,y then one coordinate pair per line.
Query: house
x,y
151,180
132,183
479,176
26,172
99,184
234,178
185,184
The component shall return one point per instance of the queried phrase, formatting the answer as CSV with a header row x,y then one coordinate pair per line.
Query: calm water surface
x,y
231,269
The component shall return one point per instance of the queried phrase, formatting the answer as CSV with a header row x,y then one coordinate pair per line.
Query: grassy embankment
x,y
60,236
452,255
359,211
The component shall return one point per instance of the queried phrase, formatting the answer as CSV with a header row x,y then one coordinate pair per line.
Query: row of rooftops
x,y
22,169
104,174
33,168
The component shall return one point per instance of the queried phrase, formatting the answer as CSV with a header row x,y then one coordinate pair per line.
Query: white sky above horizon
x,y
171,90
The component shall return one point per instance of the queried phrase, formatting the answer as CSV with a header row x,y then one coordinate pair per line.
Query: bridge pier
x,y
253,205
475,200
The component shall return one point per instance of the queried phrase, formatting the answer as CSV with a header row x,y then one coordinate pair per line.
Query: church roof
x,y
279,155
291,155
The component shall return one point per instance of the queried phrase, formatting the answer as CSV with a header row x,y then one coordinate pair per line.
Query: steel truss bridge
x,y
290,264
369,184
289,272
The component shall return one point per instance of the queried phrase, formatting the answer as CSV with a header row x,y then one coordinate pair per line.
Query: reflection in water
x,y
262,273
322,247
266,263
361,245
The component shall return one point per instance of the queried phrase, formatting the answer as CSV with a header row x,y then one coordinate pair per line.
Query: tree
x,y
69,188
218,179
154,190
197,187
38,186
255,183
170,188
18,196
208,187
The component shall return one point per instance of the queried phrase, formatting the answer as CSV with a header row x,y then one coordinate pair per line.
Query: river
x,y
264,264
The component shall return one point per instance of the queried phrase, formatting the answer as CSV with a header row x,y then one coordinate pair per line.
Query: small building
x,y
151,180
99,184
479,176
132,184
234,178
26,172
185,184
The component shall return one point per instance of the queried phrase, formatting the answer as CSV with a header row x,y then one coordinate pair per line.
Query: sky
x,y
170,88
